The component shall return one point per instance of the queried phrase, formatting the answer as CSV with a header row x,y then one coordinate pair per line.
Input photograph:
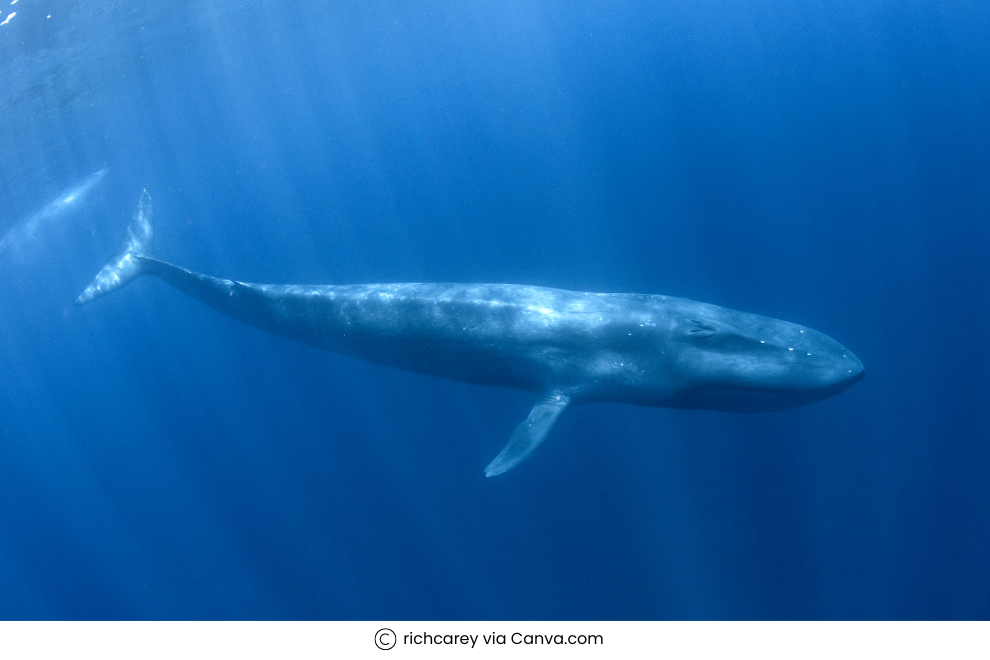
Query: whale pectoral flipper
x,y
530,434
128,263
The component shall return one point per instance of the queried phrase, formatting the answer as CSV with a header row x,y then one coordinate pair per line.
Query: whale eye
x,y
698,328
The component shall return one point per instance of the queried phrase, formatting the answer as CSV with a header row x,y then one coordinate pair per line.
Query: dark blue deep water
x,y
821,161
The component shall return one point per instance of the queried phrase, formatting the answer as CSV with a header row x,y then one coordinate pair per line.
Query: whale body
x,y
68,200
565,347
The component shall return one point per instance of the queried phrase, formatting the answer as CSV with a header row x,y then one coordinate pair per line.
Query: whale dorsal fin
x,y
530,434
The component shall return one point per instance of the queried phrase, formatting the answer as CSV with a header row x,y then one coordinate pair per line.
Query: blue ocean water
x,y
824,162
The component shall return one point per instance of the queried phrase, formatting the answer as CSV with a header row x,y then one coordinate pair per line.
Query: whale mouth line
x,y
753,398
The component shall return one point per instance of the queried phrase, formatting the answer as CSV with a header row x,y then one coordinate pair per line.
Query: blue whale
x,y
565,347
68,200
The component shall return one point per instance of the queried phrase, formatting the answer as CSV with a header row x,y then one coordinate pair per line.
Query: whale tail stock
x,y
128,263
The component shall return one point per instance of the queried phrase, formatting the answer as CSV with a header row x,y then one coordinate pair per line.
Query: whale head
x,y
735,361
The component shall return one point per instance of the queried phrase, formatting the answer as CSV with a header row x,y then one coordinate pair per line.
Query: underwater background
x,y
825,162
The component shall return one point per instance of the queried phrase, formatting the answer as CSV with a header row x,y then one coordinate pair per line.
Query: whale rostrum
x,y
565,347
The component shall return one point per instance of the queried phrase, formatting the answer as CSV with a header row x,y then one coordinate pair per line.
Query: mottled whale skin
x,y
565,347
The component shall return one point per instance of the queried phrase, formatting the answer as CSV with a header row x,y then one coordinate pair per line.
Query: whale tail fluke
x,y
128,263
